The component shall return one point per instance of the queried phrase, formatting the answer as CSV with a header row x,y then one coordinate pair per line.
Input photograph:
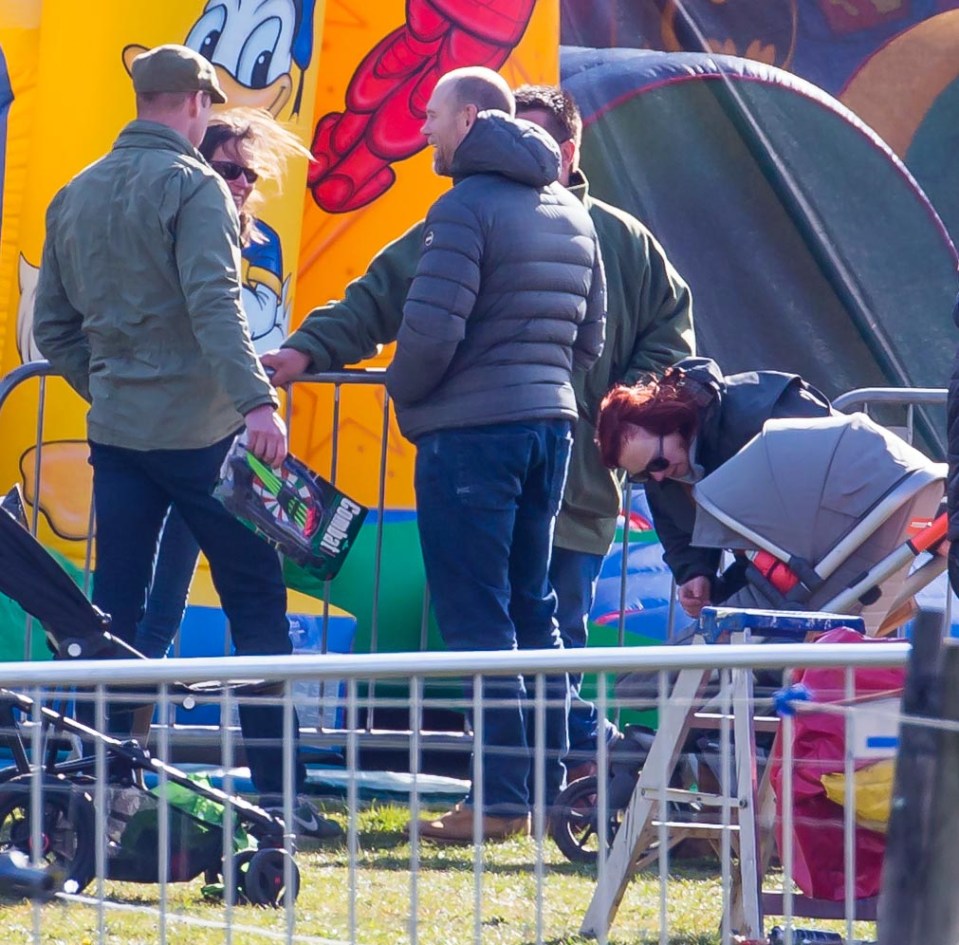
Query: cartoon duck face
x,y
251,45
254,45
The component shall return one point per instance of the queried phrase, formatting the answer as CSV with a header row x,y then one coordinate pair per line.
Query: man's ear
x,y
471,112
569,161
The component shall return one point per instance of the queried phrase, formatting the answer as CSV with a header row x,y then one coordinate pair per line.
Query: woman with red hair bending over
x,y
670,432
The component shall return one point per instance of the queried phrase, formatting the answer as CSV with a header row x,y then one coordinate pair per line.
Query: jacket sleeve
x,y
802,401
57,325
370,313
673,514
441,299
207,252
592,332
663,312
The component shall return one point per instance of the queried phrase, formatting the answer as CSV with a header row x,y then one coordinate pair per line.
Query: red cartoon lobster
x,y
387,95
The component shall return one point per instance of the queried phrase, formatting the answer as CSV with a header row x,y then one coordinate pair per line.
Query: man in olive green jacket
x,y
648,328
138,306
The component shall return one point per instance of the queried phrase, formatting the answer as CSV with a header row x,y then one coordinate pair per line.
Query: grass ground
x,y
383,893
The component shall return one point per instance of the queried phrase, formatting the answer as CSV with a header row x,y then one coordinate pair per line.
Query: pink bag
x,y
819,747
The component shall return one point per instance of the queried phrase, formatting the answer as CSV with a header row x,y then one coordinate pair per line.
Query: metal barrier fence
x,y
902,401
413,688
383,882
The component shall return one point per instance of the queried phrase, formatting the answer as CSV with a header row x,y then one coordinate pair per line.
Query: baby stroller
x,y
76,629
825,515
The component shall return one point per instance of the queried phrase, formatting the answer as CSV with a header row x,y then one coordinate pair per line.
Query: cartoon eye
x,y
259,63
207,31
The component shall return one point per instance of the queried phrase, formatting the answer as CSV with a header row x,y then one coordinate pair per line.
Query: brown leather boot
x,y
457,827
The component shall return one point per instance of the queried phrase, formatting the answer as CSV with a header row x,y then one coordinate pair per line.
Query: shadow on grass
x,y
683,939
390,850
441,864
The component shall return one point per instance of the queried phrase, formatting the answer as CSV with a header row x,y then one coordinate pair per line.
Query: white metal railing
x,y
538,910
442,664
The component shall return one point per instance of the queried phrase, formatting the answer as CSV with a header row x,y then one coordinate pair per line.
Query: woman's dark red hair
x,y
659,405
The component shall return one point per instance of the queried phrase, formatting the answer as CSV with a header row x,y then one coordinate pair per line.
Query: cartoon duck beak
x,y
271,97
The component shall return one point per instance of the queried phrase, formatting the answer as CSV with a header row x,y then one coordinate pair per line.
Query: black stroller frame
x,y
67,831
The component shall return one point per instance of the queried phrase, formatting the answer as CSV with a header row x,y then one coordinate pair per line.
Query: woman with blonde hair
x,y
245,146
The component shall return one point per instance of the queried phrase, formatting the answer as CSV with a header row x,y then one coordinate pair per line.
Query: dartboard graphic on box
x,y
305,517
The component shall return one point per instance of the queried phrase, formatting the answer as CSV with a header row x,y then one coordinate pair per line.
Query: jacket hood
x,y
513,147
705,373
705,380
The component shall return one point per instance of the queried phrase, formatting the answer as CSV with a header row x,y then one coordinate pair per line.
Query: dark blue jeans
x,y
132,491
487,499
573,575
172,575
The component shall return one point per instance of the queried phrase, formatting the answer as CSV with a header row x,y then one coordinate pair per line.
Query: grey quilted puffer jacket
x,y
509,292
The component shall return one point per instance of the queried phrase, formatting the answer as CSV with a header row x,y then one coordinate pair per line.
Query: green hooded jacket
x,y
648,328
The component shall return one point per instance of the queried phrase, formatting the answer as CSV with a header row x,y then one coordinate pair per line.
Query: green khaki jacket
x,y
138,300
648,328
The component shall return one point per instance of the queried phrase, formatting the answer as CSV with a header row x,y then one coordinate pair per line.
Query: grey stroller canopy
x,y
835,494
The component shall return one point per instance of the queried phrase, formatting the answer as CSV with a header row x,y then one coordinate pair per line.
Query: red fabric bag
x,y
818,748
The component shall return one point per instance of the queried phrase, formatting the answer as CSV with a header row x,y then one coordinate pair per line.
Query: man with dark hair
x,y
138,306
553,109
508,295
648,328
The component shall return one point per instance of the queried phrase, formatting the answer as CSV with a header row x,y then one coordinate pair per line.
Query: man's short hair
x,y
482,87
564,122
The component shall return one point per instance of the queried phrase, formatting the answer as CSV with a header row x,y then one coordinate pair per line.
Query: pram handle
x,y
931,535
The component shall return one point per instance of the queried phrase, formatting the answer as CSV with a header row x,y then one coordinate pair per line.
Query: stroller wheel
x,y
241,863
574,822
67,828
265,877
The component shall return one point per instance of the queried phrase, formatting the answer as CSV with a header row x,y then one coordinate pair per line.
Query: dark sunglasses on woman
x,y
659,463
228,170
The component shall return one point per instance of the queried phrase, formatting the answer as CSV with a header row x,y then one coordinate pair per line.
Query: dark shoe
x,y
308,822
457,827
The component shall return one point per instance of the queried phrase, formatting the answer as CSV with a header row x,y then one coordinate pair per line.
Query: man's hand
x,y
694,595
285,363
266,435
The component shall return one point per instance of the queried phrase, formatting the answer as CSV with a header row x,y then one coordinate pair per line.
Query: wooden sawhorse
x,y
640,826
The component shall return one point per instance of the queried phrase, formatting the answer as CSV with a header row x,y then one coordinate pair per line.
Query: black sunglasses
x,y
659,463
230,171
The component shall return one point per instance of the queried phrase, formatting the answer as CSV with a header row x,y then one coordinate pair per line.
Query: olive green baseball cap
x,y
174,68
